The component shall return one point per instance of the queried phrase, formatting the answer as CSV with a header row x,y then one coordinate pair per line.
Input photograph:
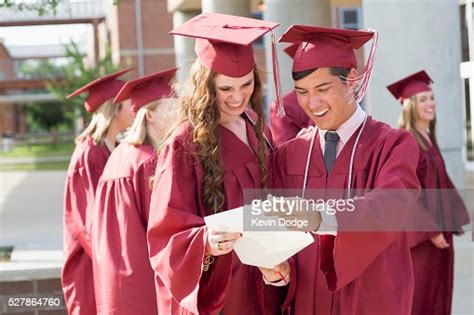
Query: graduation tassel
x,y
361,83
368,67
276,79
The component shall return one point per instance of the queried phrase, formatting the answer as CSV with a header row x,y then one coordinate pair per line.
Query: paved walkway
x,y
31,209
33,160
463,302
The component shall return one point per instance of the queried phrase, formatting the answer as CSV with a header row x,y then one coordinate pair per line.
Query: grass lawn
x,y
40,150
35,166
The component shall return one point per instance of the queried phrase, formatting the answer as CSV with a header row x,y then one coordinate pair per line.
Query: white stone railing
x,y
42,51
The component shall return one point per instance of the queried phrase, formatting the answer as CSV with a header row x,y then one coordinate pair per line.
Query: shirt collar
x,y
347,129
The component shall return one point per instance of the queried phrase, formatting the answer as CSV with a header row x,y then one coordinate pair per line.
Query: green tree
x,y
50,117
44,116
75,74
63,79
38,68
42,7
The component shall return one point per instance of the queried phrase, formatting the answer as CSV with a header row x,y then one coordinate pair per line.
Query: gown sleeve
x,y
177,236
278,173
80,194
284,128
424,225
383,210
456,205
143,181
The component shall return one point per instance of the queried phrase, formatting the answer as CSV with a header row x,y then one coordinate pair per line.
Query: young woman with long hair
x,y
219,148
432,248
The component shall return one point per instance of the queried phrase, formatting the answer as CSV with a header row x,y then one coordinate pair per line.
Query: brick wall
x,y
12,119
157,43
157,22
6,64
50,288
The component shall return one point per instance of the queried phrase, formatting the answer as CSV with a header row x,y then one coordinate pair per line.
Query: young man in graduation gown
x,y
288,126
123,277
93,148
363,251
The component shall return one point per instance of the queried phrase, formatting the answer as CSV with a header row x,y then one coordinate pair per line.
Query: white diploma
x,y
259,248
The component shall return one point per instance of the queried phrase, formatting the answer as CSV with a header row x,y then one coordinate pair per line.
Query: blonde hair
x,y
197,104
408,119
100,122
137,134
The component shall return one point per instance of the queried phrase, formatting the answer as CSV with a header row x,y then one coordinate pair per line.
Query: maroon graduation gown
x,y
123,277
85,168
177,234
367,272
433,267
295,119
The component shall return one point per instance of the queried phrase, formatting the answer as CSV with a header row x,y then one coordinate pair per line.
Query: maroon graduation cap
x,y
101,90
411,85
320,47
324,47
147,89
290,50
224,43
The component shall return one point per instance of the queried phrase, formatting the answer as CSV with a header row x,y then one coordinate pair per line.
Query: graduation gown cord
x,y
269,144
351,164
349,182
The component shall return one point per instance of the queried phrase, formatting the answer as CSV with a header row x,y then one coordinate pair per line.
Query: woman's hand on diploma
x,y
221,243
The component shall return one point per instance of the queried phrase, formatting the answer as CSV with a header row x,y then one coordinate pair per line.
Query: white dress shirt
x,y
345,131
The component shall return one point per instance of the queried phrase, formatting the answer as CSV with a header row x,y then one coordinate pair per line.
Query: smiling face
x,y
323,96
425,106
233,95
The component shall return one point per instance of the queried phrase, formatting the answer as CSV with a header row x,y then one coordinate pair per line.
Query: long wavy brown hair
x,y
197,104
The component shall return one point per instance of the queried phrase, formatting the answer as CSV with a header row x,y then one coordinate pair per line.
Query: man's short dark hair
x,y
342,73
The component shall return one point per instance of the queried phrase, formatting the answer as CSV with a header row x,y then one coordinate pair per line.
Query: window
x,y
350,18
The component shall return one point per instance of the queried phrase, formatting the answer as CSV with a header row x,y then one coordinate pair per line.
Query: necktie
x,y
331,138
327,241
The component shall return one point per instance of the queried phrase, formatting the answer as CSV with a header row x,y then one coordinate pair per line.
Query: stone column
x,y
288,12
411,40
467,68
234,7
183,46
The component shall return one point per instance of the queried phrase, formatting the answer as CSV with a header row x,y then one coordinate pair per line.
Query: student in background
x,y
432,250
123,278
93,148
287,127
